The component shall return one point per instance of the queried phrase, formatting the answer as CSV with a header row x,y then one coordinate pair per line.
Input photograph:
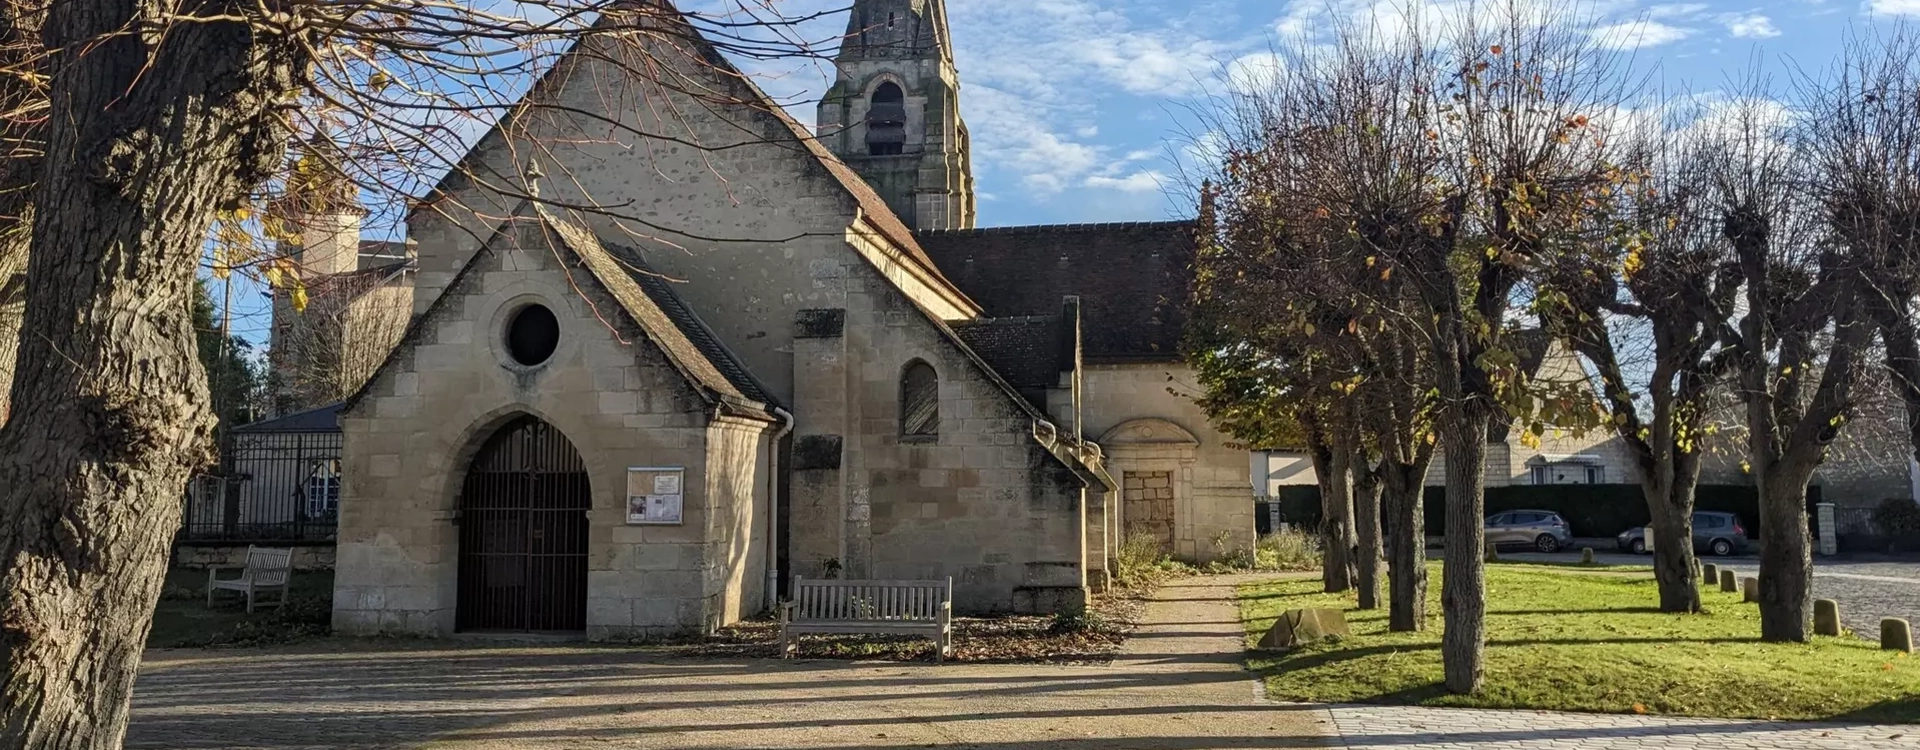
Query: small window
x,y
323,490
890,19
919,401
532,335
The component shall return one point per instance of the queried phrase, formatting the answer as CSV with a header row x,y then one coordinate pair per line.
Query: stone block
x,y
1826,617
1896,635
1727,582
1710,574
1300,627
1046,600
1750,589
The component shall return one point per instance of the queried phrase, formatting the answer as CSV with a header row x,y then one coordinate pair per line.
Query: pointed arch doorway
x,y
523,533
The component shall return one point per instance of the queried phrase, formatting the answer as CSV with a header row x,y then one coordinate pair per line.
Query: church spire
x,y
893,113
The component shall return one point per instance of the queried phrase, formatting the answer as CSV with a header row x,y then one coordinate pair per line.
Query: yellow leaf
x,y
299,299
1639,708
1311,329
221,271
379,80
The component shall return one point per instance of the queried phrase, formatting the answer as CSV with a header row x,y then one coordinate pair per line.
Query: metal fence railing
x,y
273,486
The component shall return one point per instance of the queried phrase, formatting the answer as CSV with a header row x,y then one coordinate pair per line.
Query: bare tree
x,y
159,119
1663,274
1517,107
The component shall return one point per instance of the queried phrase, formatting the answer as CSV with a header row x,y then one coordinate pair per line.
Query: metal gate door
x,y
523,533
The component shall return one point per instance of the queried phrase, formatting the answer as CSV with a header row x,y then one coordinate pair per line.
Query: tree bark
x,y
1366,519
1406,548
1675,569
1463,593
1786,555
1331,462
151,133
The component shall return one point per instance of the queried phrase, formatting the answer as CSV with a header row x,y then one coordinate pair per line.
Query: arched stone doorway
x,y
523,533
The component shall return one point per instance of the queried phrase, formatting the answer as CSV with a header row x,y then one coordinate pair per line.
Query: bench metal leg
x,y
249,600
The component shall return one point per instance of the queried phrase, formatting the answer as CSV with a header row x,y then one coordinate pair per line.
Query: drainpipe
x,y
773,508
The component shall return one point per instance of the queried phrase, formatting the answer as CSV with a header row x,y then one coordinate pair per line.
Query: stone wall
x,y
1212,483
608,390
982,501
203,556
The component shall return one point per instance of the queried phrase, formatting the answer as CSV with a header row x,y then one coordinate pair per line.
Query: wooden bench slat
x,y
869,606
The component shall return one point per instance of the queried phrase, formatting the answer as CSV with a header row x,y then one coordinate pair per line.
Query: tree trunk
x,y
1675,569
150,134
1407,568
1463,593
1367,552
1786,556
1336,522
13,299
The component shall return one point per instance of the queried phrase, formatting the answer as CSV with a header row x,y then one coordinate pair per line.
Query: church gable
x,y
731,198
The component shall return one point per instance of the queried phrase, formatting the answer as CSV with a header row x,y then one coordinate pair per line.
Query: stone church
x,y
792,352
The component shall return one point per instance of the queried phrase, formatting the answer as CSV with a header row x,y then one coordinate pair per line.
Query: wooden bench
x,y
875,607
267,570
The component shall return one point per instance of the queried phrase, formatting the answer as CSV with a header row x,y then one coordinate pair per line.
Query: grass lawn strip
x,y
1562,639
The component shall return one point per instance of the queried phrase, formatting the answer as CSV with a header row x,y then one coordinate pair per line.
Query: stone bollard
x,y
1896,635
1750,589
1826,617
1727,582
1711,575
1493,552
1586,555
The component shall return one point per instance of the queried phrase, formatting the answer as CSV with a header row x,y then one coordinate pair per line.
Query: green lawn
x,y
1570,639
182,618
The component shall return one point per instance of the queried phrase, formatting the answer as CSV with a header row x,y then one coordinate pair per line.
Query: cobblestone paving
x,y
1866,592
1410,728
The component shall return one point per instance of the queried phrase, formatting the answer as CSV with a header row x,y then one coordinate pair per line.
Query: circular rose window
x,y
532,335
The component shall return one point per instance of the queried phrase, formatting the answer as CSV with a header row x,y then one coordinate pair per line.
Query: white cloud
x,y
1144,181
1252,73
1629,35
1894,7
1756,26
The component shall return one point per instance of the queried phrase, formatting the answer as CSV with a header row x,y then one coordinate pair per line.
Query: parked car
x,y
1713,532
1540,529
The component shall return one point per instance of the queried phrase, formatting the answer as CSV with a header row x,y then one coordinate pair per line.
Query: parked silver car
x,y
1540,529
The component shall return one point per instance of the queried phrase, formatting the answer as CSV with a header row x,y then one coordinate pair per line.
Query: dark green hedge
x,y
1593,510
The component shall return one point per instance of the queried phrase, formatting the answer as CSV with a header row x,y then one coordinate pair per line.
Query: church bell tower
x,y
893,114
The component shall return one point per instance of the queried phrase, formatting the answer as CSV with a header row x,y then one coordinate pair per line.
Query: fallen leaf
x,y
1639,708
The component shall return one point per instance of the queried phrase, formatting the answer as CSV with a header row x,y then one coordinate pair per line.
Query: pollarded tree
x,y
1665,285
1327,171
1801,336
1515,106
136,126
1866,133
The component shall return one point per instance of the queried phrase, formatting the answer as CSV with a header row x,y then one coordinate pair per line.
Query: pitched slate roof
x,y
319,419
1028,351
650,301
1133,280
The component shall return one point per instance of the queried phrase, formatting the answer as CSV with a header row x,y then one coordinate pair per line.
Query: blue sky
x,y
1078,108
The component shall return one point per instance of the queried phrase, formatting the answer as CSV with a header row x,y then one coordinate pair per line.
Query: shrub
x,y
1292,549
1897,516
1078,620
1143,561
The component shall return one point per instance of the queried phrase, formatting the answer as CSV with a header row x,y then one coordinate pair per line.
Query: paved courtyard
x,y
1178,686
